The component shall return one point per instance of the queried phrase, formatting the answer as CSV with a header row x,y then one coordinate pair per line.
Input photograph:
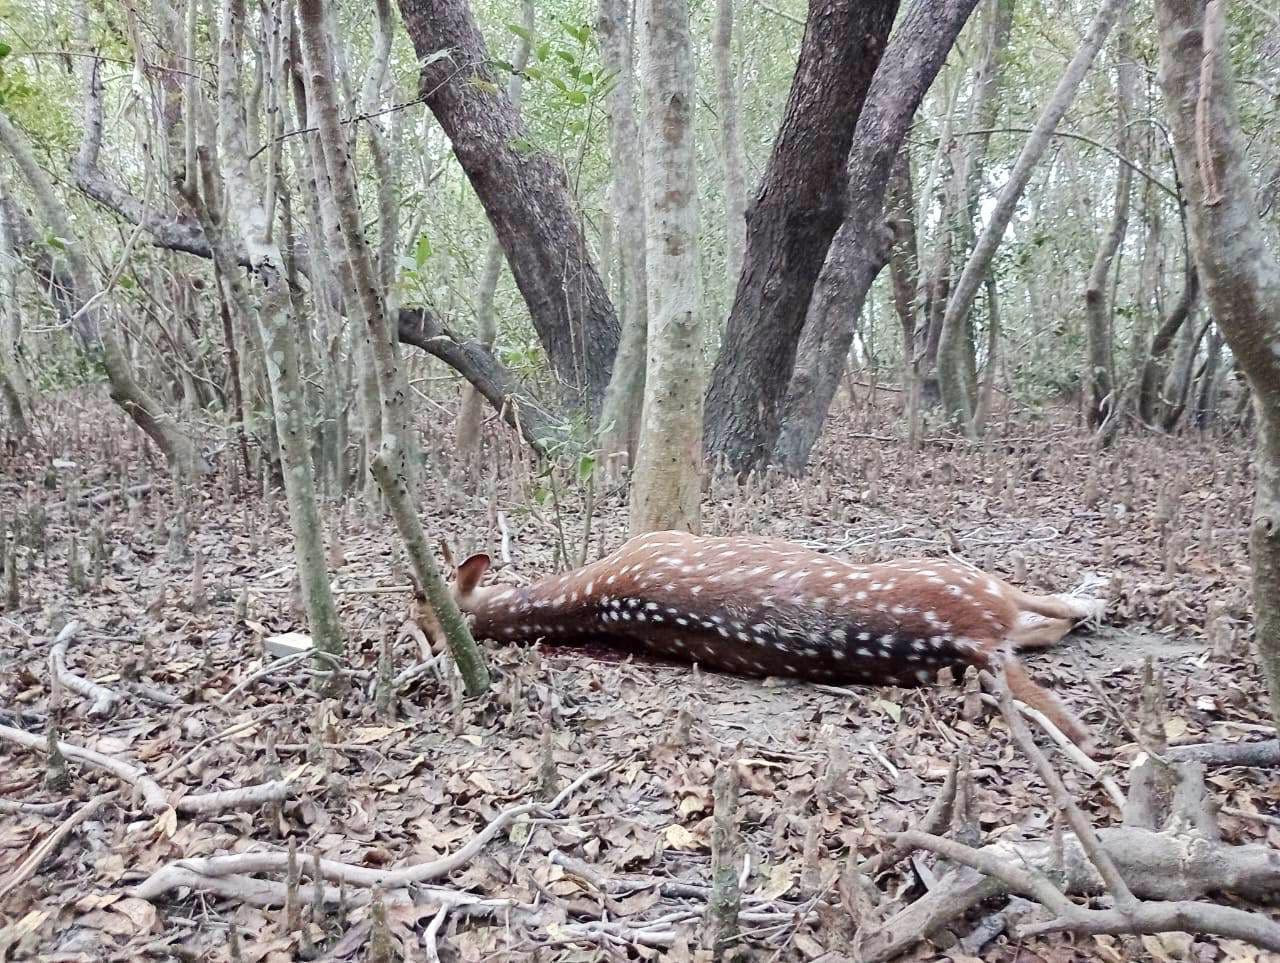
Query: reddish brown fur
x,y
761,606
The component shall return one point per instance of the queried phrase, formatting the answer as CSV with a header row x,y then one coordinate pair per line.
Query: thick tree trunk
x,y
620,416
1099,362
1241,276
524,193
861,246
955,399
790,224
486,324
666,489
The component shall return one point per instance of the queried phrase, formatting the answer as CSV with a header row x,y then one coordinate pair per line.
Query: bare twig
x,y
1062,799
269,669
53,841
181,872
1069,749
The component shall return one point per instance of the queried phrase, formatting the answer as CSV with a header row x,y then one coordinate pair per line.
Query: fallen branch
x,y
1156,879
1069,748
245,797
275,666
181,872
104,700
539,427
1262,754
154,798
1182,917
110,495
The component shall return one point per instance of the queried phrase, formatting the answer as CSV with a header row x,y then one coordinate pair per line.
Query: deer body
x,y
758,606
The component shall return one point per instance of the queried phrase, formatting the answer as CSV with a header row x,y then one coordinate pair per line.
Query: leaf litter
x,y
1163,521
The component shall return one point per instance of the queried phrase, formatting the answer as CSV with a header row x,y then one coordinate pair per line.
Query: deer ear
x,y
470,573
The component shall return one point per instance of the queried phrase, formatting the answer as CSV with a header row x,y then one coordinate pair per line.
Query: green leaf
x,y
544,50
422,250
566,56
576,97
520,32
5,50
580,34
586,465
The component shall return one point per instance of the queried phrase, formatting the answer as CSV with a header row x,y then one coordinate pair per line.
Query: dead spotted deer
x,y
759,606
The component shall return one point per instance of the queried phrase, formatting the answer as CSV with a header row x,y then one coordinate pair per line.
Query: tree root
x,y
1156,880
104,700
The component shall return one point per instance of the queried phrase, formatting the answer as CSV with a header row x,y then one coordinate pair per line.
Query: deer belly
x,y
873,651
842,665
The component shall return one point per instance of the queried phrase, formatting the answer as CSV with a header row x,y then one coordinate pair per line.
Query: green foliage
x,y
14,88
569,74
65,369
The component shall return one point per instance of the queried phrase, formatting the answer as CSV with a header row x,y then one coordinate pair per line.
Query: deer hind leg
x,y
1033,631
1068,607
1026,690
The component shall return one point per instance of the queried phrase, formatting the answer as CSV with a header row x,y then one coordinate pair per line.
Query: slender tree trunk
x,y
984,111
469,415
1207,392
1177,385
13,381
524,193
272,311
735,188
954,398
986,390
904,254
392,465
620,416
179,450
1099,361
933,277
860,248
666,489
1241,275
950,353
1150,378
785,248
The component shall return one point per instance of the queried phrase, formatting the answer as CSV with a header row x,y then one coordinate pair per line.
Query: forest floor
x,y
630,747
